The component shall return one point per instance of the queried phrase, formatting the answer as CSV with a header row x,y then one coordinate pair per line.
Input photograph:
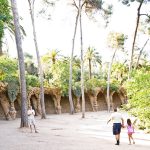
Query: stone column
x,y
5,106
77,104
57,99
93,100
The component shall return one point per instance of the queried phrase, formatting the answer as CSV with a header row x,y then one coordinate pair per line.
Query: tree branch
x,y
75,4
145,15
83,4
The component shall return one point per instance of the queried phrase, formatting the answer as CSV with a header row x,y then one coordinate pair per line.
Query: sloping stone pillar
x,y
5,105
12,111
4,100
56,95
12,90
77,105
57,99
110,103
35,103
92,94
112,106
122,93
101,101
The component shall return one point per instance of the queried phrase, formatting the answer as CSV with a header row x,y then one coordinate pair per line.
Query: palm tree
x,y
92,57
24,117
78,18
89,6
53,55
31,5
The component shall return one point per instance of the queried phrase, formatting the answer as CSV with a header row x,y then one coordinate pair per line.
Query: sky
x,y
57,33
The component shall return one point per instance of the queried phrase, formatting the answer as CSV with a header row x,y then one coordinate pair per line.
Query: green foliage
x,y
116,40
5,16
29,64
58,76
93,6
32,81
92,58
8,69
97,5
9,72
4,10
114,85
93,83
77,89
30,68
138,89
92,55
128,2
51,56
119,72
1,29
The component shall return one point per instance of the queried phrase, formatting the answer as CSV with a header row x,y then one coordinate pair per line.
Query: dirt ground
x,y
69,132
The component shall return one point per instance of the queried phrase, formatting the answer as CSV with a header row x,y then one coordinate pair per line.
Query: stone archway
x,y
116,101
88,105
5,105
101,101
49,104
17,108
65,105
34,102
122,94
52,100
77,104
1,112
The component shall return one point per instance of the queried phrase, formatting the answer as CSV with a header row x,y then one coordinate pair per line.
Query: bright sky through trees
x,y
57,33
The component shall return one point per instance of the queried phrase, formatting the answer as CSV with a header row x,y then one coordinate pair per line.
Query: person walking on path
x,y
31,119
118,122
130,129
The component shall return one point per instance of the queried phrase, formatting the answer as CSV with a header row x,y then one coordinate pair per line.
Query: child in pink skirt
x,y
130,129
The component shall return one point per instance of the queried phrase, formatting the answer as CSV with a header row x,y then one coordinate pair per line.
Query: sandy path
x,y
68,132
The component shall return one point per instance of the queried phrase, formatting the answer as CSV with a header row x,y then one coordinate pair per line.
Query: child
x,y
130,129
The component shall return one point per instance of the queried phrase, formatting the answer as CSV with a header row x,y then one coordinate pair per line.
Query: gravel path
x,y
69,132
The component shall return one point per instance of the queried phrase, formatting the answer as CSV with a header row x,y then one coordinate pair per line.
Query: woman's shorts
x,y
116,128
31,121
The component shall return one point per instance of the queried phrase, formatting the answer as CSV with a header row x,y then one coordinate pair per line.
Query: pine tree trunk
x,y
108,80
134,39
82,65
70,70
43,116
141,51
24,117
